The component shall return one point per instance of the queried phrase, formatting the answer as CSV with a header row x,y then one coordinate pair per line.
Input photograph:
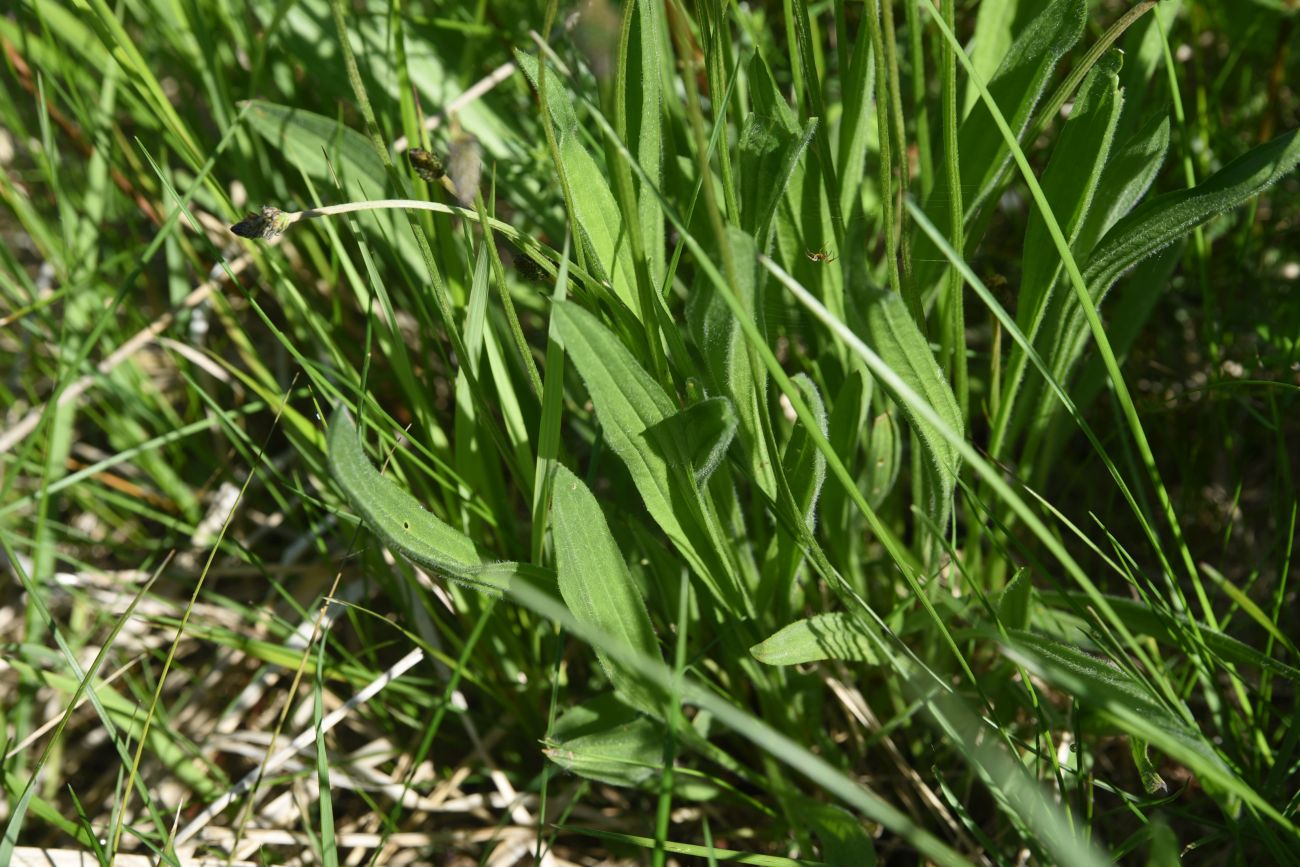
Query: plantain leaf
x,y
827,636
599,217
314,142
1159,222
391,513
604,739
1016,87
1014,605
716,333
899,343
803,463
705,429
595,584
1142,619
628,403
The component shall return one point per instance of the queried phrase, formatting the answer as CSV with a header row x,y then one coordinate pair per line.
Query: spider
x,y
820,255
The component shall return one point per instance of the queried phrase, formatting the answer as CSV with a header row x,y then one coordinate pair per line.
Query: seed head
x,y
265,225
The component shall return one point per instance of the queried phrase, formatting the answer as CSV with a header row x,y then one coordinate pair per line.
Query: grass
x,y
671,433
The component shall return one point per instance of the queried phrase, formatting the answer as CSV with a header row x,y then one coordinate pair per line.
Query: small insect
x,y
820,255
427,164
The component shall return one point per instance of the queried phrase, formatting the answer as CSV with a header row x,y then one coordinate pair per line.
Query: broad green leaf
x,y
844,840
827,636
604,739
884,458
628,401
1101,685
323,149
847,429
1128,703
598,212
1016,87
901,346
1069,183
857,127
644,95
717,335
802,461
772,142
704,430
1129,173
595,584
992,39
1161,221
1014,605
391,513
315,143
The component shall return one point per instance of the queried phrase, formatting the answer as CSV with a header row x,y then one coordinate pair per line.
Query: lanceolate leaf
x,y
826,636
604,739
705,429
628,402
598,212
1161,221
595,584
1017,87
900,344
390,512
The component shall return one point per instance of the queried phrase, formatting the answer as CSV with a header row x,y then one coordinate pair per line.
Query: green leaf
x,y
1159,222
702,431
644,95
802,461
1068,182
827,636
315,143
1165,627
1013,607
598,214
391,513
595,584
1017,87
717,334
1128,703
604,739
898,341
628,401
844,840
1129,173
884,458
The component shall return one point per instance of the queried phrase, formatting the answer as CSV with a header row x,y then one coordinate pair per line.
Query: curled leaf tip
x,y
264,225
